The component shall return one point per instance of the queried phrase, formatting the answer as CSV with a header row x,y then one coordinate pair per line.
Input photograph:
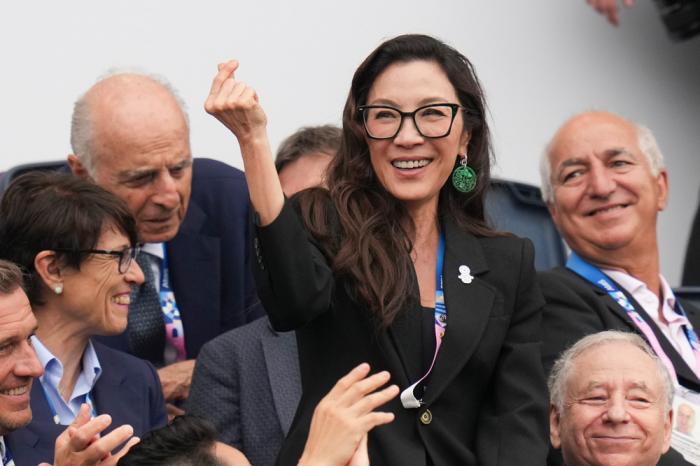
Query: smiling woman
x,y
76,243
394,264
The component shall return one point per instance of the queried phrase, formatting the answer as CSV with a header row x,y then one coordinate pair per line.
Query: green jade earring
x,y
464,177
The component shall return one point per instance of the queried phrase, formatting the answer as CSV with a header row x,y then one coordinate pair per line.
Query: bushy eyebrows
x,y
184,162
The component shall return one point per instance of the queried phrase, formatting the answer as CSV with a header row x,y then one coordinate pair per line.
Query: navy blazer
x,y
247,382
209,257
128,390
575,308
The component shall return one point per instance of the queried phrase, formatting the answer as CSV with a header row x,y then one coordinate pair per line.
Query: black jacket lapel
x,y
468,308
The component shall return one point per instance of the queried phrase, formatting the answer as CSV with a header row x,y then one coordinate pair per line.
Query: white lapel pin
x,y
465,274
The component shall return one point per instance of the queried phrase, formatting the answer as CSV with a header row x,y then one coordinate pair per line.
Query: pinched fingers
x,y
235,104
224,71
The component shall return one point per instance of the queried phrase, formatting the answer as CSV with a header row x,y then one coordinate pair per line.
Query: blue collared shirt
x,y
53,372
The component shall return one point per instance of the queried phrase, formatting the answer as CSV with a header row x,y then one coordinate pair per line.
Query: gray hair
x,y
561,371
81,120
11,277
647,144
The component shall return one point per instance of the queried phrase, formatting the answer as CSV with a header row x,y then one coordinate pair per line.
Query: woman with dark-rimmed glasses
x,y
395,265
76,243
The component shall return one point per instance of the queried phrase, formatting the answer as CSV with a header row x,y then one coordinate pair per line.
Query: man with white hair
x,y
130,135
604,181
610,402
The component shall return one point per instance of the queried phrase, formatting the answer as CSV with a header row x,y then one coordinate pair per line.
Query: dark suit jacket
x,y
576,308
128,390
485,404
208,259
247,383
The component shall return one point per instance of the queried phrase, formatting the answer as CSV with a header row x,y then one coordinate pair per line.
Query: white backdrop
x,y
540,61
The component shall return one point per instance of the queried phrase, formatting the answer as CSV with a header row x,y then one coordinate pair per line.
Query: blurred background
x,y
540,62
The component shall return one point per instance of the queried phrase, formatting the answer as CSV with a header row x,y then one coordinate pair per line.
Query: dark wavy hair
x,y
371,254
48,210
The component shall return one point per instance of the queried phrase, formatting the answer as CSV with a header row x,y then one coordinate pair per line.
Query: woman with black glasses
x,y
76,243
394,264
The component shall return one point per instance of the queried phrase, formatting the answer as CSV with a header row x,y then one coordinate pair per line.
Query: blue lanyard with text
x,y
52,408
598,278
408,398
7,459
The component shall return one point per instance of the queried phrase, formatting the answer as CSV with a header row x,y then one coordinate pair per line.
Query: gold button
x,y
427,417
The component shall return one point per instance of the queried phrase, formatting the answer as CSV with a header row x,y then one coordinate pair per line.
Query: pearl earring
x,y
58,289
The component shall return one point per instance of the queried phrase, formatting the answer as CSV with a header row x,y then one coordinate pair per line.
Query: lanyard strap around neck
x,y
408,398
595,276
7,459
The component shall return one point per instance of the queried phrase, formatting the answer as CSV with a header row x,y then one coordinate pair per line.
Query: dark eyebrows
x,y
421,103
14,338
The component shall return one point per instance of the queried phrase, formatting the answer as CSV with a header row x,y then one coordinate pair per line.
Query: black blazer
x,y
576,308
128,390
209,257
485,404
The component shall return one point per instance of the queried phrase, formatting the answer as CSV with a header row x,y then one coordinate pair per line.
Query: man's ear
x,y
668,424
48,268
554,437
662,186
77,167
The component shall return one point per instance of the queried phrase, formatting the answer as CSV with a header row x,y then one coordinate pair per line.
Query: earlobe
x,y
554,427
662,183
49,270
464,142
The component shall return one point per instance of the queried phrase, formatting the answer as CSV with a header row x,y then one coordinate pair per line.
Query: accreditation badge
x,y
685,436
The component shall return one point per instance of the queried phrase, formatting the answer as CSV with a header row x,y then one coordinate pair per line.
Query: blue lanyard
x,y
7,458
408,398
52,408
164,276
440,309
597,277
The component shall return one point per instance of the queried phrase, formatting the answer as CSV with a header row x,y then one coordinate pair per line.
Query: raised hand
x,y
235,104
342,419
81,445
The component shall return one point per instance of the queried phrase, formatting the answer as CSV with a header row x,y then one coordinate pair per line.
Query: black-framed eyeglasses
x,y
431,121
125,256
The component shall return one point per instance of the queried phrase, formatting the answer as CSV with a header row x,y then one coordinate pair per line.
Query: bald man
x,y
604,181
130,135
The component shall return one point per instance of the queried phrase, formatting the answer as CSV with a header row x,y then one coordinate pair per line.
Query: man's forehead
x,y
593,134
15,313
618,365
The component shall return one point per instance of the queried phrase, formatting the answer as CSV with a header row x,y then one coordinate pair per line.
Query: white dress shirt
x,y
672,323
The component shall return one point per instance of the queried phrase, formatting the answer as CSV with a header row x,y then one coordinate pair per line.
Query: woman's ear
x,y
464,142
48,268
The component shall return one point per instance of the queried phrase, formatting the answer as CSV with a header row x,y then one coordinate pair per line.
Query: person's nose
x,y
166,191
27,364
601,182
134,274
617,410
408,134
